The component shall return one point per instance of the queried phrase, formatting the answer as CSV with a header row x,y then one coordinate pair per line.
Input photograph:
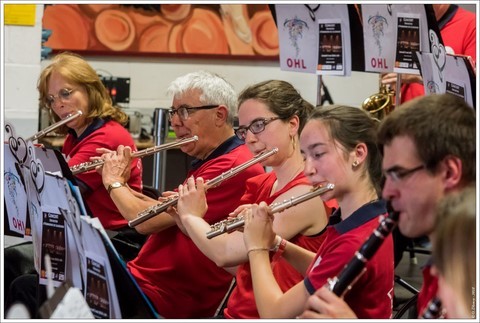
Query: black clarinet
x,y
355,267
434,310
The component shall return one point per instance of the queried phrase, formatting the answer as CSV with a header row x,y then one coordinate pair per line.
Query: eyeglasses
x,y
397,173
256,126
64,95
184,112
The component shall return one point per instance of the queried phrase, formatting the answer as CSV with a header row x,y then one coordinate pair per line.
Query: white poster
x,y
298,38
25,163
382,28
14,195
299,27
379,36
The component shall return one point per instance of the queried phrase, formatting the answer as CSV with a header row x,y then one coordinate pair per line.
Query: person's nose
x,y
309,170
176,121
57,104
250,137
389,189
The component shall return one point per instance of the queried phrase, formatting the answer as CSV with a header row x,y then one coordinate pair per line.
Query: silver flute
x,y
229,225
173,199
86,166
54,126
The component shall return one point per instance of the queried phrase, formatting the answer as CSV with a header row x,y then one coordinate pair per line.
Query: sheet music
x,y
451,76
408,43
331,58
74,270
54,245
96,291
59,227
98,272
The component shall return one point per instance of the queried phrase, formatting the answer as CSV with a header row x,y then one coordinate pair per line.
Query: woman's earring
x,y
355,163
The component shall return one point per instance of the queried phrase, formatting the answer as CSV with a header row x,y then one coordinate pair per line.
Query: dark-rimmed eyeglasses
x,y
64,95
255,127
396,173
184,112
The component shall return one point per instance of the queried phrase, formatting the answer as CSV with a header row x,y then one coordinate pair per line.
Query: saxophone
x,y
380,104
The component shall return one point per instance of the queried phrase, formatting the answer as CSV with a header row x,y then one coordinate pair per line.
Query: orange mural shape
x,y
70,27
155,38
115,29
175,12
202,33
265,39
143,20
92,10
221,29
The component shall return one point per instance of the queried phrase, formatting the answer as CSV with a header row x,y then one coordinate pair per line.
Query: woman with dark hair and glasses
x,y
69,84
271,115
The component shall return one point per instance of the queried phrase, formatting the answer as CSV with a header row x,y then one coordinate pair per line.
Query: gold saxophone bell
x,y
380,104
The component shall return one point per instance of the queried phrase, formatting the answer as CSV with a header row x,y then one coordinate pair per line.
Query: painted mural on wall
x,y
221,29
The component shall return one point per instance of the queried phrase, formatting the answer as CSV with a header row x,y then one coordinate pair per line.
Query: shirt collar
x,y
95,125
447,16
364,214
227,146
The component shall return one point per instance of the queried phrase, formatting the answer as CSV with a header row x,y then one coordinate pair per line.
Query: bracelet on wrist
x,y
256,249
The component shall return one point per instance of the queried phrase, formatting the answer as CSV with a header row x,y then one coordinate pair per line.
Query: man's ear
x,y
453,171
221,114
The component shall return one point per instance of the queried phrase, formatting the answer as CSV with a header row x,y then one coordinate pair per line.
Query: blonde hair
x,y
75,69
454,244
